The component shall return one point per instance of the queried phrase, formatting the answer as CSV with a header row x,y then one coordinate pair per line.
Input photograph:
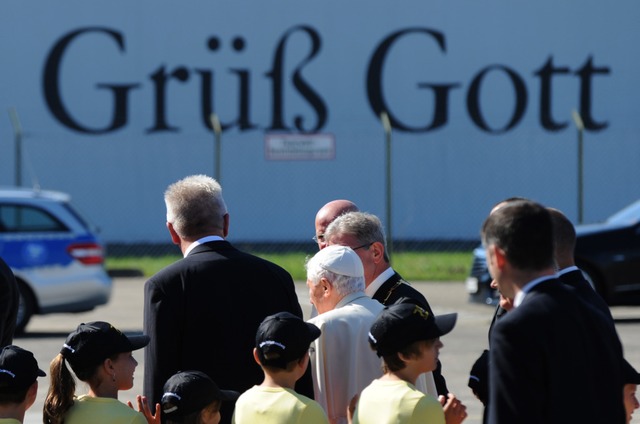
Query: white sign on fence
x,y
300,147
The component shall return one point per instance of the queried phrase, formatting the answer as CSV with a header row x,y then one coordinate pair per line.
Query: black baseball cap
x,y
18,368
399,325
93,342
629,374
190,391
282,338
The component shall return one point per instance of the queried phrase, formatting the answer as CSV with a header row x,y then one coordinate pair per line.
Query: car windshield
x,y
629,215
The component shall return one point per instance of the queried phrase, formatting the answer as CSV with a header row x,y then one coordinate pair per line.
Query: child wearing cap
x,y
191,397
282,351
19,374
100,355
407,337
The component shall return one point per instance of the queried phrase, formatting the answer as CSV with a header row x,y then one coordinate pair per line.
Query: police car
x,y
54,253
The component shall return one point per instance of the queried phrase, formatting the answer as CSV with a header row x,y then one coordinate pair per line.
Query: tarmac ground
x,y
46,334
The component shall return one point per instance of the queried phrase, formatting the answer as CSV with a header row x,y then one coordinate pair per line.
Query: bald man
x,y
327,214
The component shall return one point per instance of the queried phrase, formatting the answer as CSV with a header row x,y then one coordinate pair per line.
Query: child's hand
x,y
143,407
454,411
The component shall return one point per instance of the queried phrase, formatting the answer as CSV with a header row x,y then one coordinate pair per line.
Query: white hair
x,y
195,206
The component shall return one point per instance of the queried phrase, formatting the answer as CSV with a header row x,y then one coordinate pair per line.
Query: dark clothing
x,y
395,290
583,289
478,380
499,312
548,355
202,313
479,375
575,279
9,301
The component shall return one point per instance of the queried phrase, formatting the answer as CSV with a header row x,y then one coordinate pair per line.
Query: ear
x,y
377,252
32,393
175,238
496,256
225,227
501,257
304,362
255,356
107,364
404,358
327,287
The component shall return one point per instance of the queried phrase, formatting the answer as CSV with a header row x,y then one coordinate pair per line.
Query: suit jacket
x,y
553,360
395,290
202,313
583,289
9,300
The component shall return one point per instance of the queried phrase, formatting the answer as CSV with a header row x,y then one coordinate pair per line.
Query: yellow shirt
x,y
396,402
99,410
277,405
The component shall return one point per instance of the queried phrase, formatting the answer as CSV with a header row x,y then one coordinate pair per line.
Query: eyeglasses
x,y
364,245
318,238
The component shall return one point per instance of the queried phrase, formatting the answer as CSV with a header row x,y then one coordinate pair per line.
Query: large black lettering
x,y
586,73
160,78
546,73
306,91
473,99
207,106
375,90
51,85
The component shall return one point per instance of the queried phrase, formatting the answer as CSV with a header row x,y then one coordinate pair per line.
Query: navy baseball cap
x,y
284,337
93,342
18,368
399,325
190,391
629,374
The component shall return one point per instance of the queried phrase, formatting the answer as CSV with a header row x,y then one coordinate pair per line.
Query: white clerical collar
x,y
349,298
198,242
527,288
372,288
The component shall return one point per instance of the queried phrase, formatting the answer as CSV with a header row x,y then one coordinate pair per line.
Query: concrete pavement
x,y
45,335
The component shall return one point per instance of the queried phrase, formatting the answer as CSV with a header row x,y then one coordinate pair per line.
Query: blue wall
x,y
480,94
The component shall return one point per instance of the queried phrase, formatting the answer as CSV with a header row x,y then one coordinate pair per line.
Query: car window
x,y
80,218
27,219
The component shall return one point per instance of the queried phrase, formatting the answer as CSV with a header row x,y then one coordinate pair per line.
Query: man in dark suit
x,y
363,232
564,237
9,300
546,364
203,311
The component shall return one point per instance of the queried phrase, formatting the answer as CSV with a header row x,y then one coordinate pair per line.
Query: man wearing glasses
x,y
363,232
327,214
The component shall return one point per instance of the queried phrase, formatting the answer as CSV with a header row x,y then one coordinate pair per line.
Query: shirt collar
x,y
568,270
372,288
527,288
198,242
349,298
